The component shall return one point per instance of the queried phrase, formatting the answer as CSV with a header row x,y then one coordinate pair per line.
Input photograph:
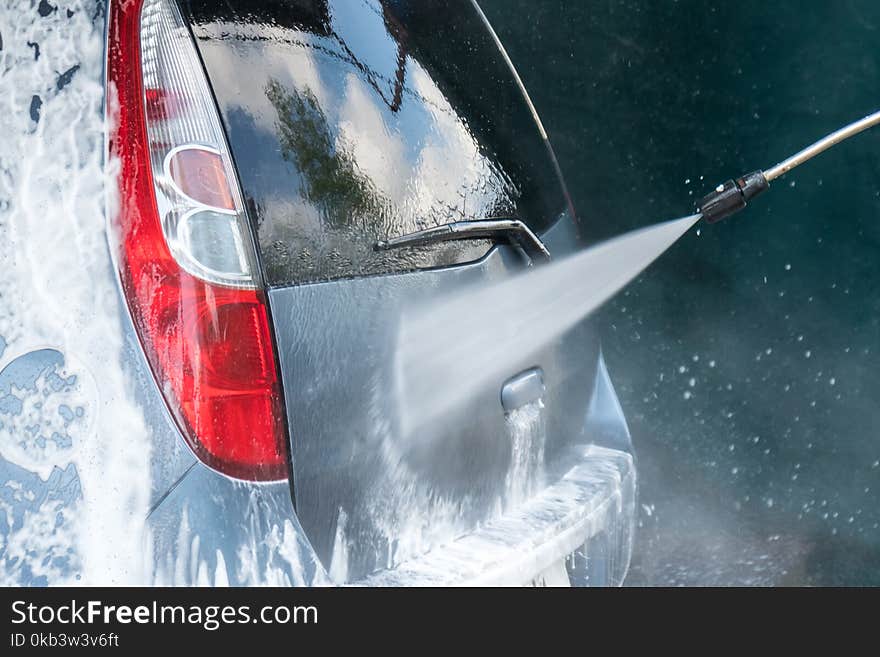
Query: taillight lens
x,y
184,247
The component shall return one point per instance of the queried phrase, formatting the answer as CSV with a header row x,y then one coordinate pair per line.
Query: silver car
x,y
213,217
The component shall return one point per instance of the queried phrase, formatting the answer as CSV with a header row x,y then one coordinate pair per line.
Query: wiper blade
x,y
512,229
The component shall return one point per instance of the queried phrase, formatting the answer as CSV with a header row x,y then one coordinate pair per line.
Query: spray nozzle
x,y
732,196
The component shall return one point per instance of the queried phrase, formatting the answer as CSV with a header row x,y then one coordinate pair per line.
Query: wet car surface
x,y
124,491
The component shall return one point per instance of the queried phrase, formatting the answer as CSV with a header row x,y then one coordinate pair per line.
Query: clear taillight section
x,y
200,209
185,252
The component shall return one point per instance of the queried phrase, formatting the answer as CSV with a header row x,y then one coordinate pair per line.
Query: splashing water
x,y
438,368
528,433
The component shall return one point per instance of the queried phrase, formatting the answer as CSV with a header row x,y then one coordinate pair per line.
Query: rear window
x,y
351,122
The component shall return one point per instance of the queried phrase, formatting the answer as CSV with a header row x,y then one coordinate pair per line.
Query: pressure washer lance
x,y
732,196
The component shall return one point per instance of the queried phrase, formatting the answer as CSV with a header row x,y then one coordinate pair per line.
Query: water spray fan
x,y
732,196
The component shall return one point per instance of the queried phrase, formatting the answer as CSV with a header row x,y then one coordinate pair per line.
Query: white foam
x,y
59,291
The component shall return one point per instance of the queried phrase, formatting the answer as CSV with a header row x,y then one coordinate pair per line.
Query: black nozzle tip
x,y
732,196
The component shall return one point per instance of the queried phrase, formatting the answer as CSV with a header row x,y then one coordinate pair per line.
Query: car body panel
x,y
363,490
212,531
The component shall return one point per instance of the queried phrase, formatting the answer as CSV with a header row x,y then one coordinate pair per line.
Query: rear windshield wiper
x,y
512,229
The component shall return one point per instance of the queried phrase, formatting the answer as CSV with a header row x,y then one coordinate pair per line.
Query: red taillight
x,y
184,251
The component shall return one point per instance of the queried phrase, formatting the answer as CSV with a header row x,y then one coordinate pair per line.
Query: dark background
x,y
746,357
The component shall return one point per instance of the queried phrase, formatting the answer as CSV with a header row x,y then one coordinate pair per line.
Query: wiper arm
x,y
513,229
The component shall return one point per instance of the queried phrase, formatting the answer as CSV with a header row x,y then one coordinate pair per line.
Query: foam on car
x,y
74,450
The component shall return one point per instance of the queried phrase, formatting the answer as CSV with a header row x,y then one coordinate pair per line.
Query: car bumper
x,y
584,521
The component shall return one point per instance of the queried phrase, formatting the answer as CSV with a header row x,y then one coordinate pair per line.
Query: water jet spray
x,y
436,368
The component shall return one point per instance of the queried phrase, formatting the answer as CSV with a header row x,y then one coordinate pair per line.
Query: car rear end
x,y
262,150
